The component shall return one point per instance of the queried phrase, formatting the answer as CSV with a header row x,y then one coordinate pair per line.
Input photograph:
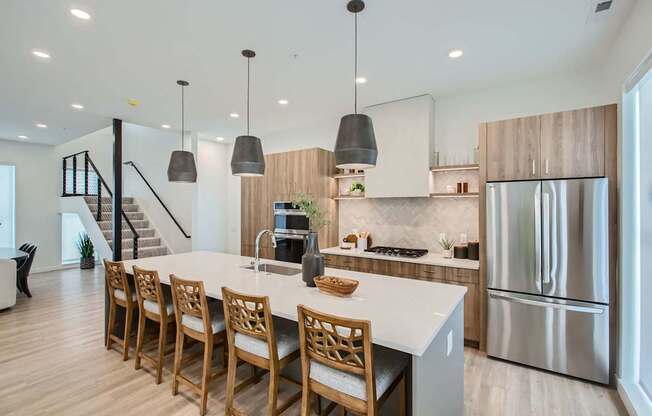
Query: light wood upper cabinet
x,y
513,148
404,132
572,143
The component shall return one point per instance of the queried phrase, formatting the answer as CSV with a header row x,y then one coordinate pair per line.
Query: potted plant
x,y
312,261
447,247
86,251
357,188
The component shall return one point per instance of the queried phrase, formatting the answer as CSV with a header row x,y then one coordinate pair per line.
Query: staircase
x,y
149,243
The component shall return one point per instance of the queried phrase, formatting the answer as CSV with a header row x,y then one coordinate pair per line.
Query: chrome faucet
x,y
257,256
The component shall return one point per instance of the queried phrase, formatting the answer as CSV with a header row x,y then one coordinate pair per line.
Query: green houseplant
x,y
86,251
312,261
357,188
447,247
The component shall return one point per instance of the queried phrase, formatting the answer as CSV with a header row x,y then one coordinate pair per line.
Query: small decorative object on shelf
x,y
336,286
447,246
476,154
465,187
86,252
474,250
357,188
435,159
312,261
461,252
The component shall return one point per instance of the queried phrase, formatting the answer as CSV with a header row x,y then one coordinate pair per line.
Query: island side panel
x,y
438,377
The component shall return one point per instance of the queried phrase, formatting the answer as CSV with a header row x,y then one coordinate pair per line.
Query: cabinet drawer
x,y
429,272
330,261
462,275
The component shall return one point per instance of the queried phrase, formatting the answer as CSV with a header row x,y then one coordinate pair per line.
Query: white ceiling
x,y
140,48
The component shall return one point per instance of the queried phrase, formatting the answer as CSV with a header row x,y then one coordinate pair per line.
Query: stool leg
x,y
125,342
208,364
178,353
230,380
139,338
111,327
162,336
305,400
272,394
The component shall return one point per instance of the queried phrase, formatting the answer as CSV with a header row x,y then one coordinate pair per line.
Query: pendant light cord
x,y
183,118
355,78
248,76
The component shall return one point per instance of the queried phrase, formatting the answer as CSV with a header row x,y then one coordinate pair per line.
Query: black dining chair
x,y
22,272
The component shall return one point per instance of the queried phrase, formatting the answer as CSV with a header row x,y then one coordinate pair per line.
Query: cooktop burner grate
x,y
397,251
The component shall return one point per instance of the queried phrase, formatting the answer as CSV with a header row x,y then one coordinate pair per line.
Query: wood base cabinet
x,y
431,273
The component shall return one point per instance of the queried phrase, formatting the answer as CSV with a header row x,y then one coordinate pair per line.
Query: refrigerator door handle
x,y
560,306
546,237
537,237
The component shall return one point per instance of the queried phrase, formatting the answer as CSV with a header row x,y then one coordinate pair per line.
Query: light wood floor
x,y
53,362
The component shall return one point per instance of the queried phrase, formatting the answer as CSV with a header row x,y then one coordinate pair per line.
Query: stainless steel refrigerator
x,y
548,275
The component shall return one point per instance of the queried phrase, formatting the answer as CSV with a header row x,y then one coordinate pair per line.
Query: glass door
x,y
7,205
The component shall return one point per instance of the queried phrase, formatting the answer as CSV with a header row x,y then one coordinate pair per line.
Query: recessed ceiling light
x,y
23,137
234,115
219,139
283,101
40,54
77,106
41,126
80,14
361,80
455,53
165,126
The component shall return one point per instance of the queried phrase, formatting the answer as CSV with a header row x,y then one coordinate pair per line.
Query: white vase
x,y
447,254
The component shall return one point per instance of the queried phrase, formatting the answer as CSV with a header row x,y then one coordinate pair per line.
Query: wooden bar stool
x,y
339,363
152,305
258,339
120,294
194,319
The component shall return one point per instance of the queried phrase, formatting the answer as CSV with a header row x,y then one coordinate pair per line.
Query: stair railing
x,y
133,165
92,183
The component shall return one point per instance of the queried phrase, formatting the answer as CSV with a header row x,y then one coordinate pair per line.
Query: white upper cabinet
x,y
405,138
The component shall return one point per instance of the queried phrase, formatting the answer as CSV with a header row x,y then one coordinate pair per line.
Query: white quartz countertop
x,y
434,259
405,314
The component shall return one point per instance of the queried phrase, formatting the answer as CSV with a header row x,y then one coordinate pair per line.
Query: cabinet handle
x,y
547,166
534,167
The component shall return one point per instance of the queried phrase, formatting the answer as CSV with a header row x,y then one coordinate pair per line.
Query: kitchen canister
x,y
460,252
474,250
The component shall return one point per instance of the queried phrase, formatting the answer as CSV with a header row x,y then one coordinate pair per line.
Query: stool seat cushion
x,y
388,365
151,306
120,294
287,340
197,324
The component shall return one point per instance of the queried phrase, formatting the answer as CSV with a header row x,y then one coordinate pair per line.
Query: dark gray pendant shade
x,y
182,167
248,158
355,147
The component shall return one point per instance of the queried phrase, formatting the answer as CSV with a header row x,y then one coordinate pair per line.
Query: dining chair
x,y
24,267
120,294
153,305
203,322
340,363
255,337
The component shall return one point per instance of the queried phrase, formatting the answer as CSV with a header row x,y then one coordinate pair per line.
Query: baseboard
x,y
54,268
636,403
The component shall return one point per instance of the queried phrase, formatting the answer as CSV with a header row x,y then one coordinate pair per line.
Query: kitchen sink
x,y
275,269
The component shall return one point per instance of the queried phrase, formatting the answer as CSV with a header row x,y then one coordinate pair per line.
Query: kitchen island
x,y
422,319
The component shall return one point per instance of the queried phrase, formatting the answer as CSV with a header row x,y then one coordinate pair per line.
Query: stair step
x,y
133,216
142,242
144,232
108,200
108,207
138,224
127,254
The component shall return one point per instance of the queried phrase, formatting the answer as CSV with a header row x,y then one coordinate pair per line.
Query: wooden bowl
x,y
336,286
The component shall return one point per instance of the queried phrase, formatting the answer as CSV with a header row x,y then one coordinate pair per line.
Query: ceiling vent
x,y
603,6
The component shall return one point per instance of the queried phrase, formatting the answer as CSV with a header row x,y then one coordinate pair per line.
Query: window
x,y
7,205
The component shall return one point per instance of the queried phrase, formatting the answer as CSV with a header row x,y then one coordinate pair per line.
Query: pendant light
x,y
182,163
248,159
355,147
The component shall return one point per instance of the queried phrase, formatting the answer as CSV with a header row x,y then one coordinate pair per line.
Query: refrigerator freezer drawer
x,y
563,336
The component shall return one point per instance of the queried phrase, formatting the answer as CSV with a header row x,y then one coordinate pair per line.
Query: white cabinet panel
x,y
405,137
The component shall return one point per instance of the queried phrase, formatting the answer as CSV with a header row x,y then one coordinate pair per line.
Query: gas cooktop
x,y
397,251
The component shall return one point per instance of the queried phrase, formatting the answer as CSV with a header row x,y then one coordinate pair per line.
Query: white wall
x,y
209,209
37,199
150,149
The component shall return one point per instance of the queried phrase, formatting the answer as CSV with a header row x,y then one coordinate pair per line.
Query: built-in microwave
x,y
291,225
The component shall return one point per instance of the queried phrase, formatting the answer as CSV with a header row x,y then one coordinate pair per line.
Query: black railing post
x,y
117,190
135,249
74,175
99,200
86,173
64,177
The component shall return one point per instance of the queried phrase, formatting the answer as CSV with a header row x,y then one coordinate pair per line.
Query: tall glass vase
x,y
312,261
